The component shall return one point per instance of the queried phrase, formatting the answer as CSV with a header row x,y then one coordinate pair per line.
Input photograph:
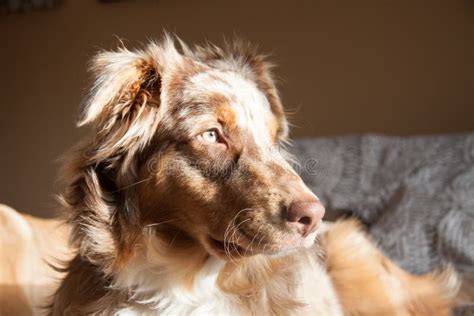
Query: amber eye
x,y
210,136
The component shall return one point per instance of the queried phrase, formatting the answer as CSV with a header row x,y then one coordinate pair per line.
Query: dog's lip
x,y
231,249
222,246
228,249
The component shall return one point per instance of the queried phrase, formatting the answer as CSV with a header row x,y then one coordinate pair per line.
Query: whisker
x,y
174,238
230,232
252,241
227,243
131,185
234,239
264,248
164,222
260,241
232,222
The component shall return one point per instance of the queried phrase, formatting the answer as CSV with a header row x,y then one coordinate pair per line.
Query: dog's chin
x,y
297,245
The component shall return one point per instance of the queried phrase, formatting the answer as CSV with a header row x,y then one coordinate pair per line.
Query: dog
x,y
183,200
28,248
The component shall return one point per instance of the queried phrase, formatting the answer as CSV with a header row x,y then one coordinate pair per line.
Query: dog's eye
x,y
210,136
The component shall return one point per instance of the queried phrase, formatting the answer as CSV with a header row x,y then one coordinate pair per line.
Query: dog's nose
x,y
305,216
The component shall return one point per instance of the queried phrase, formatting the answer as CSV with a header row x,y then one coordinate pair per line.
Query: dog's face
x,y
201,131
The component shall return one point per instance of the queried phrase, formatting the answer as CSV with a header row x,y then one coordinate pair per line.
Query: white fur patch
x,y
250,104
170,297
158,286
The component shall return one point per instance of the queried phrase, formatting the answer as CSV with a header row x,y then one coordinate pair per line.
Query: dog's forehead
x,y
251,107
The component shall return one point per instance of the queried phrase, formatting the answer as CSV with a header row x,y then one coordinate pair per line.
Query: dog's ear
x,y
124,109
124,103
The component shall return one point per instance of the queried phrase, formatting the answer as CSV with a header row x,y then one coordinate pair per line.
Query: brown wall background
x,y
379,66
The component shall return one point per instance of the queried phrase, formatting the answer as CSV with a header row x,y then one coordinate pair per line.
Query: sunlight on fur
x,y
183,201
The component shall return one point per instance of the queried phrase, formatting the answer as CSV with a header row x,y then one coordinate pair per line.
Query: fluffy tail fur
x,y
374,280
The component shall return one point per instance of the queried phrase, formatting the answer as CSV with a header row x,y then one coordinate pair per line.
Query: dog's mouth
x,y
228,249
245,244
223,246
231,250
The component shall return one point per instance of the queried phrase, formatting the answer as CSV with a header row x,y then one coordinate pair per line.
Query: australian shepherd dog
x,y
183,201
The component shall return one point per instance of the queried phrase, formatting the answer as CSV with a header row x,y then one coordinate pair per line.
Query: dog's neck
x,y
193,282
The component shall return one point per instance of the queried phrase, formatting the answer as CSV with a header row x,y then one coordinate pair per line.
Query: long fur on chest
x,y
201,285
343,274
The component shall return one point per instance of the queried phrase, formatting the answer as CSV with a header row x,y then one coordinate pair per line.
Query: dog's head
x,y
187,142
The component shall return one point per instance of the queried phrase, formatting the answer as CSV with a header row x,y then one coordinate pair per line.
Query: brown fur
x,y
370,284
148,199
28,246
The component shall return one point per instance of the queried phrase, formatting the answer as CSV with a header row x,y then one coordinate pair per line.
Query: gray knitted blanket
x,y
415,194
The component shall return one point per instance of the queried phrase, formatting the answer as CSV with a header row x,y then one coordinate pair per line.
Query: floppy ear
x,y
124,103
123,109
123,79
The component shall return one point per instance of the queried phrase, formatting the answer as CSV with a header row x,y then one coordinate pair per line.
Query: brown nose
x,y
305,216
